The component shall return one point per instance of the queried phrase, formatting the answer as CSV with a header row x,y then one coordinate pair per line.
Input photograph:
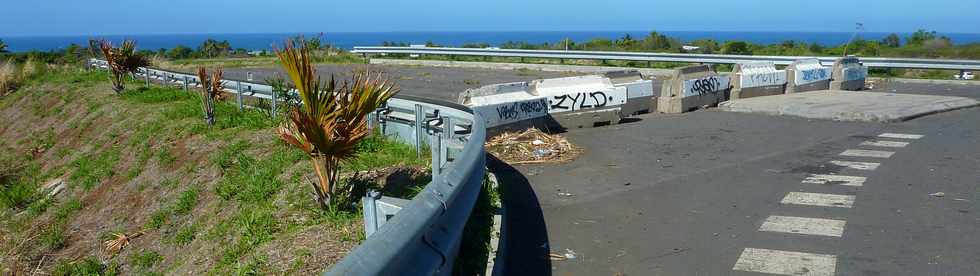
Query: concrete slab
x,y
850,105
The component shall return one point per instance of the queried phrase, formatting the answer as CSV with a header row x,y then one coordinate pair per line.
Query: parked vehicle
x,y
966,75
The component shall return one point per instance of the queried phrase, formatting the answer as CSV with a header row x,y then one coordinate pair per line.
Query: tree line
x,y
920,44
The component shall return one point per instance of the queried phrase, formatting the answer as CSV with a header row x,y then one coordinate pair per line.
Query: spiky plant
x,y
123,60
211,91
332,118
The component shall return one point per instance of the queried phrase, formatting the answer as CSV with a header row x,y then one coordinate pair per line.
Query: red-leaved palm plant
x,y
212,91
332,118
123,60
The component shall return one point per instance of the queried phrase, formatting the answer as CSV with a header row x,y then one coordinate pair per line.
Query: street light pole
x,y
860,27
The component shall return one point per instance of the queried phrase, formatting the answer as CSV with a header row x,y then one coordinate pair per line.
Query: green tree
x,y
626,42
706,46
736,48
213,48
816,48
891,41
919,37
3,46
180,52
657,41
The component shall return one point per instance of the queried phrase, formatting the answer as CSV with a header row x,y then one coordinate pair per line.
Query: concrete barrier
x,y
572,102
693,87
755,79
807,75
639,92
849,74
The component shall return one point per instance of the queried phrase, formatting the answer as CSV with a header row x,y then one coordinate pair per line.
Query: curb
x,y
497,236
925,81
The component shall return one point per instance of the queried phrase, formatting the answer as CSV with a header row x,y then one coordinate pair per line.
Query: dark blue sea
x,y
349,40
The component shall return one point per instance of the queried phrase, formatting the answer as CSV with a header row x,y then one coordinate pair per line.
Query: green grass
x,y
53,237
91,169
145,260
183,205
166,156
475,246
378,151
248,179
86,267
187,201
255,226
185,235
18,183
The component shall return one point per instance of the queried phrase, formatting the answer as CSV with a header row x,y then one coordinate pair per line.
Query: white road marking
x,y
885,144
833,179
864,166
804,226
867,153
815,199
786,262
901,136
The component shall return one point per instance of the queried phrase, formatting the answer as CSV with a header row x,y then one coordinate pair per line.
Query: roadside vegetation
x,y
920,44
135,182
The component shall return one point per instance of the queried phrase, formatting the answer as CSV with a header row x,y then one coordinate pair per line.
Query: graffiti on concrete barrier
x,y
815,74
812,75
763,79
578,101
510,112
518,110
705,86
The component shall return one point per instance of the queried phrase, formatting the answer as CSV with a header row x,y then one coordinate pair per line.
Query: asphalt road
x,y
690,195
716,193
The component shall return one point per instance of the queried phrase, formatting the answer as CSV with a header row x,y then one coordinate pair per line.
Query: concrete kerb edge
x,y
924,81
937,111
498,234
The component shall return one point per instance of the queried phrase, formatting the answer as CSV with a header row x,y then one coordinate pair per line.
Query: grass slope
x,y
227,199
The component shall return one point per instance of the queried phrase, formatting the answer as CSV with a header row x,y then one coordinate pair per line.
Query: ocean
x,y
349,40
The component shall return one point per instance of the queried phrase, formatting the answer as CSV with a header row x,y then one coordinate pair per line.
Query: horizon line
x,y
475,31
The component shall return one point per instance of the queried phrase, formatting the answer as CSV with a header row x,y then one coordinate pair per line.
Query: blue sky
x,y
102,17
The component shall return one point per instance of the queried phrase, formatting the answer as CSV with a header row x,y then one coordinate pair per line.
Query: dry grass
x,y
8,77
532,146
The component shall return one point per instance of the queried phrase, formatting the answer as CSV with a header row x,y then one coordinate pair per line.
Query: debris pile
x,y
532,146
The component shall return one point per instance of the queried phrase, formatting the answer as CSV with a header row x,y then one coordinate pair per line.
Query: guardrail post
x,y
185,83
370,210
166,79
419,121
274,92
448,129
240,107
146,73
435,143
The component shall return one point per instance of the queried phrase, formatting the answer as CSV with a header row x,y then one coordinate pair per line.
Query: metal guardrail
x,y
886,62
423,237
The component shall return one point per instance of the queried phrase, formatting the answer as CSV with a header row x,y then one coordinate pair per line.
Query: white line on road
x,y
867,153
786,262
885,144
833,179
815,199
864,166
804,226
901,136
